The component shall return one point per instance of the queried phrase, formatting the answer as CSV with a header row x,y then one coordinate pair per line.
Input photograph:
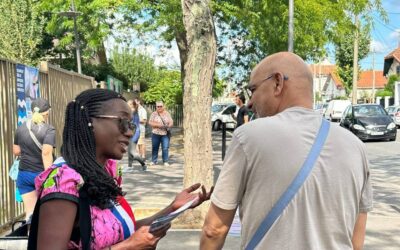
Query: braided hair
x,y
79,145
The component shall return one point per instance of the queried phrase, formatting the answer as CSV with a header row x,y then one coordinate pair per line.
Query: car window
x,y
229,110
365,111
347,112
217,108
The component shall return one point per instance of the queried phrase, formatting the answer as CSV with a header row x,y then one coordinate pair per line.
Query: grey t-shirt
x,y
31,155
263,159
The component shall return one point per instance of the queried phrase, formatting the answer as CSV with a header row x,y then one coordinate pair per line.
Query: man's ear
x,y
279,81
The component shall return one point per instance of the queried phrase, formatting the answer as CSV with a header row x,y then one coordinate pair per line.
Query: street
x,y
383,225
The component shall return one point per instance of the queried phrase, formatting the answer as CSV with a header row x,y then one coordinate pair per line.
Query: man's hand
x,y
187,195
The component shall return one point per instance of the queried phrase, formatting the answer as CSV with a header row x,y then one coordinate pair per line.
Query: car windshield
x,y
362,111
216,108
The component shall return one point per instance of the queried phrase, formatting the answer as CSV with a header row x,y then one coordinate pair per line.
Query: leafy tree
x,y
21,29
391,81
135,67
94,24
345,54
167,88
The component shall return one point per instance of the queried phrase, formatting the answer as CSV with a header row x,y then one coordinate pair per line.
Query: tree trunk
x,y
180,38
197,99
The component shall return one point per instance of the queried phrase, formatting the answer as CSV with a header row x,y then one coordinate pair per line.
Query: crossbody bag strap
x,y
29,125
85,219
291,191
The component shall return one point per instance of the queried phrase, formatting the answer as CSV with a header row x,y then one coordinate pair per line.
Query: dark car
x,y
369,121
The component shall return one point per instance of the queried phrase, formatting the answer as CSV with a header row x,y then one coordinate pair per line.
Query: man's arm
x,y
359,232
216,227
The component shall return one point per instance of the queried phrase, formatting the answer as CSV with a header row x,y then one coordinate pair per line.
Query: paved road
x,y
383,225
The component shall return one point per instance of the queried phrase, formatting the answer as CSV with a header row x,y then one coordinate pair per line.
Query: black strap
x,y
85,222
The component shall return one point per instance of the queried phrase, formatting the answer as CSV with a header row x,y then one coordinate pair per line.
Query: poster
x,y
114,84
28,89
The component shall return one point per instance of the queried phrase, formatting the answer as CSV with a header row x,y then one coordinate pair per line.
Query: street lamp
x,y
74,14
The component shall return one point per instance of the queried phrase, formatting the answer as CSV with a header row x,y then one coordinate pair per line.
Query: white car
x,y
335,109
226,114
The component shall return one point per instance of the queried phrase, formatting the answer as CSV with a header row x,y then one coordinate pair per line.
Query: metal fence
x,y
59,87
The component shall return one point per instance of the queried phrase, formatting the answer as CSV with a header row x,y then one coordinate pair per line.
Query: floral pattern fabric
x,y
62,182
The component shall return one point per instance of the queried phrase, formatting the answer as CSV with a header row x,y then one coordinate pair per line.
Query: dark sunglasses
x,y
123,124
159,106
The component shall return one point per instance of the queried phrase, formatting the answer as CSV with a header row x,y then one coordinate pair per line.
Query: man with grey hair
x,y
329,209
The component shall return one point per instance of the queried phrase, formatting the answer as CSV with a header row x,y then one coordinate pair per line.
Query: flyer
x,y
162,221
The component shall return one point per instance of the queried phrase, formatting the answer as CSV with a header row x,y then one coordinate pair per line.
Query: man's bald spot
x,y
287,63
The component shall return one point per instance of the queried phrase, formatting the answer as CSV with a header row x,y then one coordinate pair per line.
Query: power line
x,y
392,28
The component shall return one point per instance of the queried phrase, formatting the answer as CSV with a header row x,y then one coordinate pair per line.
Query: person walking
x,y
161,123
82,205
143,120
132,149
33,143
243,113
290,144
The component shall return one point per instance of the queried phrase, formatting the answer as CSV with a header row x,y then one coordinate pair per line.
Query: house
x,y
366,85
392,63
326,83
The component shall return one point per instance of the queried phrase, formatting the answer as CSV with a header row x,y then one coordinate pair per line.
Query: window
x,y
398,70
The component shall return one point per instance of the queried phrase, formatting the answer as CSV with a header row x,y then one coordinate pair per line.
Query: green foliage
x,y
135,67
340,98
390,84
21,30
167,88
345,54
218,88
383,93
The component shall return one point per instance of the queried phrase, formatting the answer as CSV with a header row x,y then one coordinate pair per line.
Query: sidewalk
x,y
150,191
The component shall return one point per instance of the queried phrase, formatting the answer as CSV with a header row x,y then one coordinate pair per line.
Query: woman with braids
x,y
81,203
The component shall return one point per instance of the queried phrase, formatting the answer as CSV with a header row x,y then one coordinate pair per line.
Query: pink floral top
x,y
166,117
109,226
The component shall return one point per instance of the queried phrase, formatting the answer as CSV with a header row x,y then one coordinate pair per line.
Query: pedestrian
x,y
161,123
132,149
243,113
82,205
33,143
329,209
143,120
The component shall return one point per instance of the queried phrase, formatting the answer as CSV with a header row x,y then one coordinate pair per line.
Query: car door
x,y
347,118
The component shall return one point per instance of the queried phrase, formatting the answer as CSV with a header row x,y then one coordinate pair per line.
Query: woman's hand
x,y
187,195
143,239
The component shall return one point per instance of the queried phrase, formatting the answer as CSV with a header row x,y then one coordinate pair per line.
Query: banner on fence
x,y
114,84
27,91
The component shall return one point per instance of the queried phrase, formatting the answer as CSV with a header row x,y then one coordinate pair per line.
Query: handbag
x,y
291,191
166,127
13,172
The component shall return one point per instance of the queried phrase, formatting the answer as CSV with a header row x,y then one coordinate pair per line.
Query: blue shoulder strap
x,y
291,191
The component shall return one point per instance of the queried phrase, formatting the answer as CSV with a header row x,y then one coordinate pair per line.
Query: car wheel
x,y
393,139
216,125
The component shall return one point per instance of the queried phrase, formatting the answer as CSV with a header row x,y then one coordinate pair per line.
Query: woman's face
x,y
111,139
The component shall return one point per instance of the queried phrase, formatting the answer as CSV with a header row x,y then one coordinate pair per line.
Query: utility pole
x,y
291,33
74,14
355,60
373,75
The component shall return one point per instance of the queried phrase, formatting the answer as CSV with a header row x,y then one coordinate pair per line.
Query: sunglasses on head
x,y
123,123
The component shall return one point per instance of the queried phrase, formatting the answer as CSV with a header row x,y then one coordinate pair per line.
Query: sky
x,y
385,36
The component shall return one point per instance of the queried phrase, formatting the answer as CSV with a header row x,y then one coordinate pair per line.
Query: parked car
x,y
335,109
394,112
224,115
321,107
369,121
217,107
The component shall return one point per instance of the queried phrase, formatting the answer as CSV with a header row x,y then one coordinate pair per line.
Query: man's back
x,y
264,157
